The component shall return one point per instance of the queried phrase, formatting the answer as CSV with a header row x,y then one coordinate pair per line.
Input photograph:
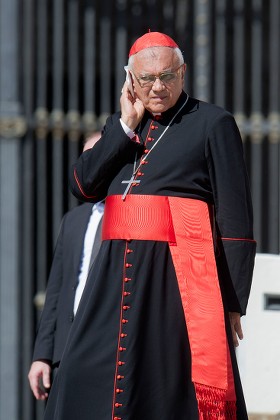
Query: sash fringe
x,y
212,404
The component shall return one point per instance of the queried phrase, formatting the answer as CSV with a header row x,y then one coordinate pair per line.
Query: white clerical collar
x,y
98,206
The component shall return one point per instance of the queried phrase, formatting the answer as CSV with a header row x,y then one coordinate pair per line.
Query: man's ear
x,y
185,69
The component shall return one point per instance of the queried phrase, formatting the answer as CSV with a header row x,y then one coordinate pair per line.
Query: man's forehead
x,y
155,57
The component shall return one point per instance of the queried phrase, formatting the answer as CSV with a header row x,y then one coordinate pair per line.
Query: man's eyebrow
x,y
143,73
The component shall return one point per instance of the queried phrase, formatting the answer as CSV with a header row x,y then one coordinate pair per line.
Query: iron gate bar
x,y
41,181
42,64
57,115
169,16
152,15
274,136
202,36
256,116
104,62
272,222
27,260
41,117
120,48
40,149
73,42
238,60
256,57
274,57
220,53
139,25
90,73
75,39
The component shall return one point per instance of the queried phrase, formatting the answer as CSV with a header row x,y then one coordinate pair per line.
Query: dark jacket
x,y
57,315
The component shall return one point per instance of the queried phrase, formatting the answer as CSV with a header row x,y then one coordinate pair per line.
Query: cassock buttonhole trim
x,y
121,348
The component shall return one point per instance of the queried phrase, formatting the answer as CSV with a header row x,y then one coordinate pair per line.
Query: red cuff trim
x,y
238,239
80,187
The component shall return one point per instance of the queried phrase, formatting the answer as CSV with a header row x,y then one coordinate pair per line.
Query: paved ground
x,y
264,416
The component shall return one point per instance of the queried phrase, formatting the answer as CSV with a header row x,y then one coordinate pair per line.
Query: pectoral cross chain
x,y
129,183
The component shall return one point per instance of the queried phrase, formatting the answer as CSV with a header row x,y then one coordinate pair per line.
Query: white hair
x,y
176,50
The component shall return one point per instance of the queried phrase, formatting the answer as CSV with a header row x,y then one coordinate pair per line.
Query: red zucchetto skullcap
x,y
152,39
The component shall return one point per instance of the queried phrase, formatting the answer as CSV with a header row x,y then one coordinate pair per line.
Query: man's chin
x,y
156,108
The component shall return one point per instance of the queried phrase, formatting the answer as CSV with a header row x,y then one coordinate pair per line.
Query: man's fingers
x,y
46,377
234,336
39,371
34,380
239,331
236,328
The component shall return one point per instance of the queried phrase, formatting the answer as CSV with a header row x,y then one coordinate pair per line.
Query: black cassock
x,y
145,373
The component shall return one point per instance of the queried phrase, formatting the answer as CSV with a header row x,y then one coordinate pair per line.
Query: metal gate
x,y
61,72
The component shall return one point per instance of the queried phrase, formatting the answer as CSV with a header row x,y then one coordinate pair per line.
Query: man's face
x,y
158,95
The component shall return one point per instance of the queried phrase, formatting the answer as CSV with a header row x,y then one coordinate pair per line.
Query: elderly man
x,y
155,336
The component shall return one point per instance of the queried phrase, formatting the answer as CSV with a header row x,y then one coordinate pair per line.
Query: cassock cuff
x,y
127,130
235,262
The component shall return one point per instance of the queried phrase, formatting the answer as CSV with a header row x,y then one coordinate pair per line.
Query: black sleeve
x,y
44,343
233,211
95,169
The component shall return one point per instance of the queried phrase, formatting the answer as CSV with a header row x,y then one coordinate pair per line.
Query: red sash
x,y
185,224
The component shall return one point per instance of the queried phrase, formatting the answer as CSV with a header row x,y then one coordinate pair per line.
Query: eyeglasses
x,y
165,78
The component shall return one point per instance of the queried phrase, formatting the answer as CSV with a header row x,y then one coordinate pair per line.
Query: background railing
x,y
61,72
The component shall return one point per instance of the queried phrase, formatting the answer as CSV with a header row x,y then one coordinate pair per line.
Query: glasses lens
x,y
147,80
167,77
150,79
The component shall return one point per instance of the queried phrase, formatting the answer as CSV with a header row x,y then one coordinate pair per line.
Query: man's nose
x,y
158,84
